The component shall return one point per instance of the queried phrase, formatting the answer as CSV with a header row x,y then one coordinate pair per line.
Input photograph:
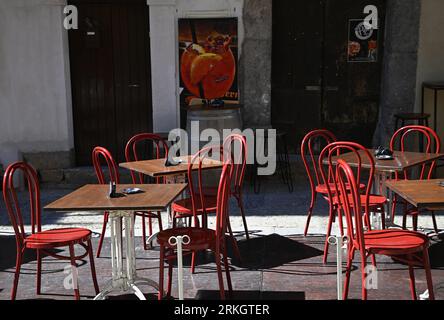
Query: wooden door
x,y
314,82
297,66
111,75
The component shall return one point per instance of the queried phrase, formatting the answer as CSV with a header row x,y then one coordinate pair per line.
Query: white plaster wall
x,y
164,50
431,55
35,92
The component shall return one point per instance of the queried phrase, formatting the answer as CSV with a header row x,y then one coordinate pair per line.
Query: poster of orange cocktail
x,y
208,60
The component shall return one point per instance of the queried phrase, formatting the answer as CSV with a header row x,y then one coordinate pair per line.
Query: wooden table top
x,y
94,197
420,193
402,160
156,167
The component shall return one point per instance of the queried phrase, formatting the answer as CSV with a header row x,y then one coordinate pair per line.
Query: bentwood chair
x,y
374,203
316,139
236,145
406,246
201,238
146,142
98,155
202,201
113,176
400,141
43,242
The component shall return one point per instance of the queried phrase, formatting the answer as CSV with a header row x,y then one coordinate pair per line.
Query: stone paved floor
x,y
278,263
273,267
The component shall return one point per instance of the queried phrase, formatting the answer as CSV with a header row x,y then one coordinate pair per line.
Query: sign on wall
x,y
208,50
362,42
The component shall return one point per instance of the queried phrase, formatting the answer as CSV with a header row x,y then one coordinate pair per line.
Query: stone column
x,y
398,88
255,63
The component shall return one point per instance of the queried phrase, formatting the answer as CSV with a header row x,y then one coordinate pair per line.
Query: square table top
x,y
156,168
401,161
420,193
94,197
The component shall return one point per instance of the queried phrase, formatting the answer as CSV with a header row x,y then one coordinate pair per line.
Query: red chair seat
x,y
374,200
394,242
185,206
322,188
57,238
201,239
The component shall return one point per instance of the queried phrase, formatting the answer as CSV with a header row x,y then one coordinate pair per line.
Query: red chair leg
x,y
39,272
310,212
363,277
18,265
161,266
241,206
219,275
412,283
348,274
330,223
373,258
170,278
145,246
394,201
227,268
159,218
150,226
415,222
102,236
382,218
426,261
93,267
174,220
404,220
341,225
435,225
193,262
74,272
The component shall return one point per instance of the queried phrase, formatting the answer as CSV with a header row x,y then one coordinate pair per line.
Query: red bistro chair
x,y
113,172
236,145
375,203
407,246
433,145
41,241
113,176
201,238
202,200
310,141
132,153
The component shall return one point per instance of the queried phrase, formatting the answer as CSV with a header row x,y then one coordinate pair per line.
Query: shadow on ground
x,y
251,295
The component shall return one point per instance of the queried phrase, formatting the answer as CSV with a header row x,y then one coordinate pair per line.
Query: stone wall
x,y
255,63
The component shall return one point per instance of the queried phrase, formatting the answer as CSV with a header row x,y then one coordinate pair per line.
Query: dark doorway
x,y
315,83
110,75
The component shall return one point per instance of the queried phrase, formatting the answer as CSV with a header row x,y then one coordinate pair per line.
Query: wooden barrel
x,y
227,117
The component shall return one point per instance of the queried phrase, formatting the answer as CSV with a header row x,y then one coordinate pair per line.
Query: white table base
x,y
124,275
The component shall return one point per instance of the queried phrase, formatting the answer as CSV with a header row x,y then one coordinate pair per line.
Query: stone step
x,y
74,177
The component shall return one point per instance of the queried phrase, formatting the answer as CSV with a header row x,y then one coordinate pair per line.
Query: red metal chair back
x,y
113,171
196,182
236,146
347,189
313,138
433,145
336,149
223,195
12,202
144,140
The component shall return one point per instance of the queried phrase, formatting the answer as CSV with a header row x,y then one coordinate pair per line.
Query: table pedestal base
x,y
125,278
